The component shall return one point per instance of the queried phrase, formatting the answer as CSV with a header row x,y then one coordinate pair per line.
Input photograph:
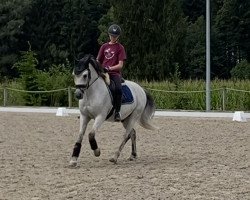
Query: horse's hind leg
x,y
130,133
117,153
77,147
133,141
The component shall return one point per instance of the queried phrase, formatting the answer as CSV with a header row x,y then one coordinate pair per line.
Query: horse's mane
x,y
84,64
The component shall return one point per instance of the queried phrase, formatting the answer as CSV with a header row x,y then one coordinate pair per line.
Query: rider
x,y
112,56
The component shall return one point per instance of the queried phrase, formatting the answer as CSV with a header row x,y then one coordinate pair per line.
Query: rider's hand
x,y
107,69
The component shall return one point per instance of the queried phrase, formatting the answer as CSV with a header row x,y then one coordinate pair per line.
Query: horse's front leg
x,y
77,148
92,141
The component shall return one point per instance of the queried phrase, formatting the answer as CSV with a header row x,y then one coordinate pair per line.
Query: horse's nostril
x,y
78,94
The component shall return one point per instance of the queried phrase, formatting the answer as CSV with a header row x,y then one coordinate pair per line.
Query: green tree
x,y
231,36
46,29
104,23
194,9
195,50
61,30
244,29
153,35
28,76
12,18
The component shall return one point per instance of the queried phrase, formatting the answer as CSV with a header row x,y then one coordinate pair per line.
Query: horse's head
x,y
82,74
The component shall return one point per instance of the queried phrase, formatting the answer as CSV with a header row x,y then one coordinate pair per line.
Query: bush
x,y
193,97
241,70
58,77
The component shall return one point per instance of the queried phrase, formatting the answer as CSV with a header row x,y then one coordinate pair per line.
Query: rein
x,y
93,82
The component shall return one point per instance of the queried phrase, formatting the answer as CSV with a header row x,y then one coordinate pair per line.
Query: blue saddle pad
x,y
127,97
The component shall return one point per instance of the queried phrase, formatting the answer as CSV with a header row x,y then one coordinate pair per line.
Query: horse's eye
x,y
85,76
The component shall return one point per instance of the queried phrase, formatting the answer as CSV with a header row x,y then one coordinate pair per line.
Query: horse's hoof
x,y
131,158
73,163
97,152
113,160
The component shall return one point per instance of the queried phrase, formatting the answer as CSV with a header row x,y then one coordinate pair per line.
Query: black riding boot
x,y
117,107
117,97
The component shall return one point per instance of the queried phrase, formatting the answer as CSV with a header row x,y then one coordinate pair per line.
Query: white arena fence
x,y
223,93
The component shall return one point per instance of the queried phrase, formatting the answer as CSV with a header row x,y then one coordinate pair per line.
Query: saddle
x,y
127,97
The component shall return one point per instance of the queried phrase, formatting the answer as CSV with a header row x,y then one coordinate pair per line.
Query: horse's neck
x,y
94,75
97,90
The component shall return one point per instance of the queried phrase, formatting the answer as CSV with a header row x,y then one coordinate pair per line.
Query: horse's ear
x,y
82,64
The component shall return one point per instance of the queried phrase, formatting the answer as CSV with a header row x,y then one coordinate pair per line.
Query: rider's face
x,y
113,39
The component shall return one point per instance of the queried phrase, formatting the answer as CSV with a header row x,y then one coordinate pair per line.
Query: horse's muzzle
x,y
79,93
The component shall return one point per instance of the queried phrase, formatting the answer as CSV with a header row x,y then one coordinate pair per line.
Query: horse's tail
x,y
148,113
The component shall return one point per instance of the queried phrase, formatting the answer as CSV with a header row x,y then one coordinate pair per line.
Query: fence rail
x,y
70,96
5,93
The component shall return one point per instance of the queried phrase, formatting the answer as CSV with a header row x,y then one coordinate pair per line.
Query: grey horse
x,y
95,102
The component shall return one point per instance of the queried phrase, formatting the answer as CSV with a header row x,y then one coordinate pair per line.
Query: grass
x,y
182,95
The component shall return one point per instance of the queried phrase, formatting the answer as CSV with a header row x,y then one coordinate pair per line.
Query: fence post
x,y
224,90
4,96
69,97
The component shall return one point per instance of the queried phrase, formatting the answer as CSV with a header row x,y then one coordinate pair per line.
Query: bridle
x,y
84,87
80,68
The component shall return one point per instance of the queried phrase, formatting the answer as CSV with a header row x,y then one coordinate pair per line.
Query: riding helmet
x,y
114,30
